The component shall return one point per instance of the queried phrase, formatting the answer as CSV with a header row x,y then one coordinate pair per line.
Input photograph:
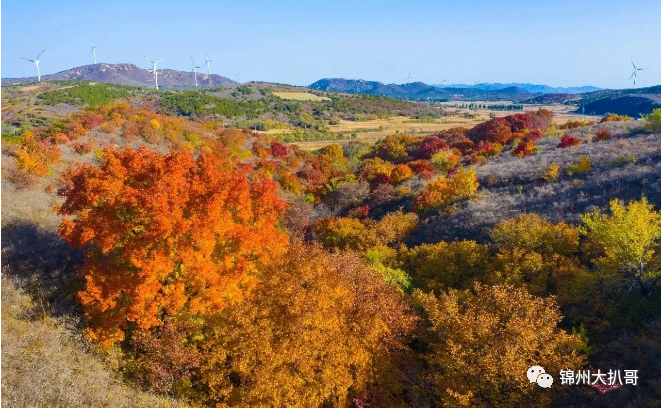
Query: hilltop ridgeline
x,y
130,74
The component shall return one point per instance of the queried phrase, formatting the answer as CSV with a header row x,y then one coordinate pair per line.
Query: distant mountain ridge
x,y
130,74
631,102
532,88
419,90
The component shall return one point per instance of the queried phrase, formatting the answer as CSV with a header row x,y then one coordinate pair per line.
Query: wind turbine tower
x,y
94,52
237,77
409,78
194,71
154,70
635,70
207,62
36,62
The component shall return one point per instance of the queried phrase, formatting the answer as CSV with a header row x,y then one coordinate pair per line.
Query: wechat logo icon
x,y
537,375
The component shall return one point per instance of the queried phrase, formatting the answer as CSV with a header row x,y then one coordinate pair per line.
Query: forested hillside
x,y
154,256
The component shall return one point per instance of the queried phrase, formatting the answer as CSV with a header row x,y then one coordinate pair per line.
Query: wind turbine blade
x,y
147,58
42,51
27,59
632,75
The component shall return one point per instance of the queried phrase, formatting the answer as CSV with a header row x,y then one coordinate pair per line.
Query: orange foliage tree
x,y
165,234
401,173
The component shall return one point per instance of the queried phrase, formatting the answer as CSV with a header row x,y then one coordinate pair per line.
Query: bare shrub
x,y
21,179
297,218
347,195
381,195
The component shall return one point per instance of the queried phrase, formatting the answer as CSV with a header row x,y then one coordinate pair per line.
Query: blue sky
x,y
558,43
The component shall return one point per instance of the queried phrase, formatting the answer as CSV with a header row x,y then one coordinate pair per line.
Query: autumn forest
x,y
187,263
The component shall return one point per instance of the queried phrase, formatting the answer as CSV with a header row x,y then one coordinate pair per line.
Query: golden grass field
x,y
274,131
30,88
300,96
381,128
398,125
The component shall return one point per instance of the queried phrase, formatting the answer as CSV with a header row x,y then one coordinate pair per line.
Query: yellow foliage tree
x,y
310,336
447,265
35,157
395,226
534,233
444,160
351,233
464,183
481,345
552,173
533,251
631,242
583,166
443,190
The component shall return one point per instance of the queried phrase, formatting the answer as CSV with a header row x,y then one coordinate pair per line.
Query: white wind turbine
x,y
237,77
194,71
634,76
207,62
36,62
445,81
94,52
154,69
409,78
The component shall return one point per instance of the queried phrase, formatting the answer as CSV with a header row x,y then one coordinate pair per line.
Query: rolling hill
x,y
130,74
630,102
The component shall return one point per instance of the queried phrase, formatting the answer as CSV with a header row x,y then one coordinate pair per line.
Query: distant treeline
x,y
501,107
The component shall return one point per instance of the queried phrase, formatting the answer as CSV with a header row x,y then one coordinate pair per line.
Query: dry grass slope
x,y
300,96
626,167
45,365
